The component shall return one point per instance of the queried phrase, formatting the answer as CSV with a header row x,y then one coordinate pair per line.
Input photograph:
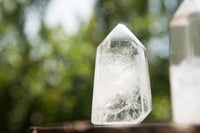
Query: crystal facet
x,y
121,93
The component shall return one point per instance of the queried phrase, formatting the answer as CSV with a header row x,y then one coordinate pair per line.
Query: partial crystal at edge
x,y
185,63
121,93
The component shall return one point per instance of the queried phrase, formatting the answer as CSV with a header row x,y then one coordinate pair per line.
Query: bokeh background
x,y
47,56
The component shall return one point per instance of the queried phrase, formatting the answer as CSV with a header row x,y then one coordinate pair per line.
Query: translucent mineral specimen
x,y
121,93
185,63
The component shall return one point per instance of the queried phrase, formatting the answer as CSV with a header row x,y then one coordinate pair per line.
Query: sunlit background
x,y
47,56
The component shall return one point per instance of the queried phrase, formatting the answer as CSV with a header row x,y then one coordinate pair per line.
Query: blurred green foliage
x,y
49,78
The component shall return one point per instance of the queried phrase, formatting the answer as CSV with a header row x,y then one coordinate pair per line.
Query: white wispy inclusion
x,y
121,93
185,84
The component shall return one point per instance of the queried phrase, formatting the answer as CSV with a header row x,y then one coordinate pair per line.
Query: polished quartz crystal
x,y
185,63
121,93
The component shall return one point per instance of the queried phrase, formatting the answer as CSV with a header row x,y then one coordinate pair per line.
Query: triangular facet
x,y
186,8
122,33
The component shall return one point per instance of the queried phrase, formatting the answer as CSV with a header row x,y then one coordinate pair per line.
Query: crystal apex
x,y
186,8
122,33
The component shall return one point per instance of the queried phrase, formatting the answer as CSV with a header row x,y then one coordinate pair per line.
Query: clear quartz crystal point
x,y
185,63
121,93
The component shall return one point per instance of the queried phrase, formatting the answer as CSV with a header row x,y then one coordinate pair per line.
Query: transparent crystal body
x,y
185,63
121,93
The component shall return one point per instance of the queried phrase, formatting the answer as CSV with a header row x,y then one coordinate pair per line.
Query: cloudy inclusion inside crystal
x,y
121,92
185,83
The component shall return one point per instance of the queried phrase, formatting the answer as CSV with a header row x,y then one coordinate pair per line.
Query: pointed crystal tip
x,y
121,32
186,8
